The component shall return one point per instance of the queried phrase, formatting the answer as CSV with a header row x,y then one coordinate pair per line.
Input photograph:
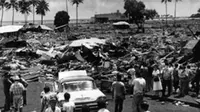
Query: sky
x,y
91,7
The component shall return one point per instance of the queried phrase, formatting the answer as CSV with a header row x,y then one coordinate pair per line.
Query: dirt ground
x,y
35,88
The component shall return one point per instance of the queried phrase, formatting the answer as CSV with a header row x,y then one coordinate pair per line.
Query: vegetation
x,y
166,1
61,18
42,8
34,3
175,11
197,15
15,7
151,14
3,4
77,2
136,12
24,8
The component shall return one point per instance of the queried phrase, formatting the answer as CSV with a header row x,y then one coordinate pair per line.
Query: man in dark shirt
x,y
197,81
118,90
6,85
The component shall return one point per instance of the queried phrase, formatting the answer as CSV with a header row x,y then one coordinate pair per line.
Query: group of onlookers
x,y
15,92
164,79
119,93
50,103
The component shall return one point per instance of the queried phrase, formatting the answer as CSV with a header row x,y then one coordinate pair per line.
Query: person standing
x,y
17,90
25,84
52,105
197,80
118,93
67,105
175,78
139,85
45,98
157,85
6,85
183,81
167,79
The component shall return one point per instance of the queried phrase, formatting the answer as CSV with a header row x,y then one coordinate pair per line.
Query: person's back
x,y
67,105
139,85
118,89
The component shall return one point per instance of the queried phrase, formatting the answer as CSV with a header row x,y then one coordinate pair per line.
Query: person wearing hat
x,y
53,107
6,85
17,91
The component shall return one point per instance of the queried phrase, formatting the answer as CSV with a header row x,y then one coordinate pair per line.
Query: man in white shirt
x,y
67,105
139,85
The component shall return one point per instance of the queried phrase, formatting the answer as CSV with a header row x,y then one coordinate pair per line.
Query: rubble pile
x,y
95,48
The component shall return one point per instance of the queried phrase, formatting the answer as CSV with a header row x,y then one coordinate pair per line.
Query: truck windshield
x,y
78,86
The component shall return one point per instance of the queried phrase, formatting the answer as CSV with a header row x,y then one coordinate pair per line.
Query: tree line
x,y
39,7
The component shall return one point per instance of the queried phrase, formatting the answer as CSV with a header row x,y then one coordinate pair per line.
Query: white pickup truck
x,y
80,86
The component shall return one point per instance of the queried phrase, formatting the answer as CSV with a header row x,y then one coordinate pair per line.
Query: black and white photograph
x,y
99,55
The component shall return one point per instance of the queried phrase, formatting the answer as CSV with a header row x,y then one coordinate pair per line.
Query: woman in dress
x,y
157,85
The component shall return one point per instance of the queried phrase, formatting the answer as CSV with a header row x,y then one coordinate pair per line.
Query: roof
x,y
121,23
75,78
89,43
10,28
191,44
72,73
44,27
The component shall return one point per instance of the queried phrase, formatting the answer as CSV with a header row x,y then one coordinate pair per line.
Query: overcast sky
x,y
90,7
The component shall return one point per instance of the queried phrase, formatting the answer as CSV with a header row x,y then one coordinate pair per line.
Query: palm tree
x,y
42,8
77,2
67,6
14,5
175,11
3,4
165,1
24,7
34,3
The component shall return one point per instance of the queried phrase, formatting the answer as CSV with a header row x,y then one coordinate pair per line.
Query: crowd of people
x,y
164,79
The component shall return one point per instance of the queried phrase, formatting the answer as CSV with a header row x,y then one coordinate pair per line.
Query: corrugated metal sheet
x,y
10,28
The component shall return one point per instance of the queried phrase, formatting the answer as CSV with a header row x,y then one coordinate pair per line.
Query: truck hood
x,y
82,96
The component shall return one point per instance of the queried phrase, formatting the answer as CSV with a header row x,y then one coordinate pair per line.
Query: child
x,y
67,105
102,106
52,102
145,107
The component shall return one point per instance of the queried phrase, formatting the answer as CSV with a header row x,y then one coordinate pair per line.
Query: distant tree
x,y
61,18
198,10
150,14
42,8
166,1
197,15
135,10
77,2
15,6
24,8
34,3
3,4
